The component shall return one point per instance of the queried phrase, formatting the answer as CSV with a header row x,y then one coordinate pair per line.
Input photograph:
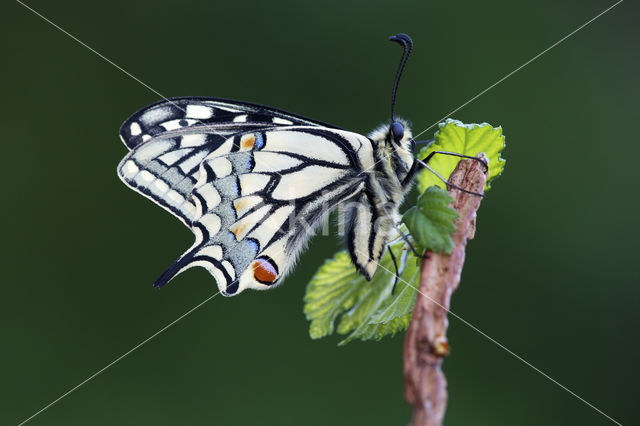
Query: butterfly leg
x,y
397,273
404,236
425,160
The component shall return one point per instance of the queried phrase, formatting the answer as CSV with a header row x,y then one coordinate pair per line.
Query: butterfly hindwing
x,y
260,194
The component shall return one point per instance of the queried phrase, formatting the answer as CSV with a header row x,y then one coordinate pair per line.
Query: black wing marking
x,y
222,116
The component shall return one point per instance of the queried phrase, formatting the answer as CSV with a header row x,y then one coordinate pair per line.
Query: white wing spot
x,y
199,111
135,129
146,138
211,222
210,194
278,120
161,185
156,114
146,176
221,166
253,182
211,251
193,140
130,168
188,209
240,118
174,197
176,124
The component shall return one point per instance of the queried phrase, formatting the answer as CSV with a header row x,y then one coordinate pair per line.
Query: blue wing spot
x,y
259,143
253,244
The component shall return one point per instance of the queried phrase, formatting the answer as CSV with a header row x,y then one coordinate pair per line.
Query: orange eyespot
x,y
247,142
264,271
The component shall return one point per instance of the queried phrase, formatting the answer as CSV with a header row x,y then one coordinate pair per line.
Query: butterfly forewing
x,y
170,138
221,116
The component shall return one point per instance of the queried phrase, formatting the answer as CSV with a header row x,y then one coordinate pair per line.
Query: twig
x,y
426,344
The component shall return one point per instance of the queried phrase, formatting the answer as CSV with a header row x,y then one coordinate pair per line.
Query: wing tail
x,y
209,257
173,270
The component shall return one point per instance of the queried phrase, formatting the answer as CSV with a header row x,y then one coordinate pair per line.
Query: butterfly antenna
x,y
407,46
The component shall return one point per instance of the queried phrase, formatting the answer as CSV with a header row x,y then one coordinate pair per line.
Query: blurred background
x,y
552,273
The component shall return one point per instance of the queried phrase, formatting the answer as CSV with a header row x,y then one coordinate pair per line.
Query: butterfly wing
x,y
217,115
257,198
169,139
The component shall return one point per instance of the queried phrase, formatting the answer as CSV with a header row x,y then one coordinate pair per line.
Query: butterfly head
x,y
396,131
394,143
400,138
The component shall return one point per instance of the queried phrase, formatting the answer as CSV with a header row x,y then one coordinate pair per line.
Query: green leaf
x,y
370,310
334,289
394,313
363,309
430,221
402,304
378,331
467,139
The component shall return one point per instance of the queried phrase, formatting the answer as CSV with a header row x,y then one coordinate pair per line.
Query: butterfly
x,y
250,180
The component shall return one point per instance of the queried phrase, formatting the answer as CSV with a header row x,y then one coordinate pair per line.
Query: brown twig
x,y
425,344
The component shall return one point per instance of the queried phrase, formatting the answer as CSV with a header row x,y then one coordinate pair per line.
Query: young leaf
x,y
394,313
430,221
363,309
467,139
334,288
402,304
378,331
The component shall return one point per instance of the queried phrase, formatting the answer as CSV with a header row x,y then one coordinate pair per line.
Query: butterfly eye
x,y
397,131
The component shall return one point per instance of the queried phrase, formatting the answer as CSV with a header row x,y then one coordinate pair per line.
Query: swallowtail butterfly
x,y
248,178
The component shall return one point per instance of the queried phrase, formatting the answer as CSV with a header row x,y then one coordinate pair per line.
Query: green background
x,y
552,274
